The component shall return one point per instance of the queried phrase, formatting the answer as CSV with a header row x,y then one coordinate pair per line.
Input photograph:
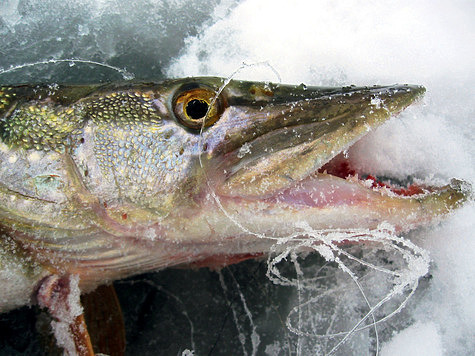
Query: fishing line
x,y
417,265
419,256
72,61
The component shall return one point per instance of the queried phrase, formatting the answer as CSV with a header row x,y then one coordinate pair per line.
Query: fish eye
x,y
196,107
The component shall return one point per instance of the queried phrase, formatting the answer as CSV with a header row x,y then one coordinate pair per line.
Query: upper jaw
x,y
257,150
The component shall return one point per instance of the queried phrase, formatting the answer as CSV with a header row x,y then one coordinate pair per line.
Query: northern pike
x,y
107,181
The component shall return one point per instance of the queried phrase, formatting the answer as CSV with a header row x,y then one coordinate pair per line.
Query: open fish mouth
x,y
294,166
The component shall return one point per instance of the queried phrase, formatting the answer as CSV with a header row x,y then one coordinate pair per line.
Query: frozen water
x,y
141,35
320,42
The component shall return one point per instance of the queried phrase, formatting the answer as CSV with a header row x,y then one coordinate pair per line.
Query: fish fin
x,y
104,319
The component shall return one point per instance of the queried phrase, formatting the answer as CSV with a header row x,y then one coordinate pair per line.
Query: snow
x,y
316,42
417,340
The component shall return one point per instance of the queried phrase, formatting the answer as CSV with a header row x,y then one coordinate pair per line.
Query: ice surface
x,y
141,35
318,43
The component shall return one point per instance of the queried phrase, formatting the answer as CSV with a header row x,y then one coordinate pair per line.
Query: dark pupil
x,y
196,109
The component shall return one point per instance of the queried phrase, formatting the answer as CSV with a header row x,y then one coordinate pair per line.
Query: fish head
x,y
263,158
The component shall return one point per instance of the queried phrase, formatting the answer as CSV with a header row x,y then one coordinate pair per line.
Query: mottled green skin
x,y
105,182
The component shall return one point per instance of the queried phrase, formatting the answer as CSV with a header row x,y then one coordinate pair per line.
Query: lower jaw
x,y
325,201
289,214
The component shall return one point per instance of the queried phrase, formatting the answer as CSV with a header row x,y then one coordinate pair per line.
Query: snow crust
x,y
319,42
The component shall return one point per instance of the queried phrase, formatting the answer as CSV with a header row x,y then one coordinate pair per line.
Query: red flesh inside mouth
x,y
341,167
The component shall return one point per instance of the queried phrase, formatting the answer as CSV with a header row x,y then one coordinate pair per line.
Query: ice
x,y
64,307
254,339
317,43
141,35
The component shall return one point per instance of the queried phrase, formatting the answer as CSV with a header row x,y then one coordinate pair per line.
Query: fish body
x,y
107,181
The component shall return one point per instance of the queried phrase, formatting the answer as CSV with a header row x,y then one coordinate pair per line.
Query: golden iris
x,y
192,108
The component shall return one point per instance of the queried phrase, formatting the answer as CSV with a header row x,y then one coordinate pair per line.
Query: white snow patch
x,y
244,150
417,340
